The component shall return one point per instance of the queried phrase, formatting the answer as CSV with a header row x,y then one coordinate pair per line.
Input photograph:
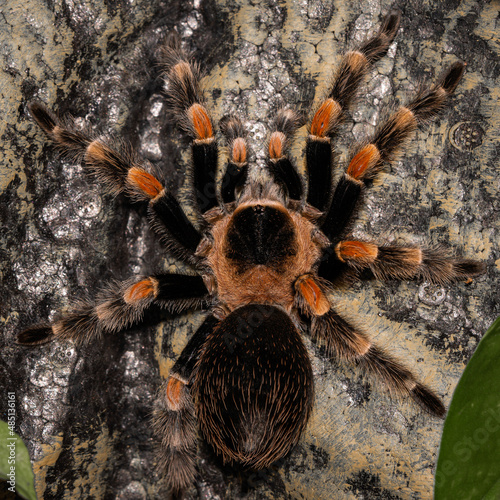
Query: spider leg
x,y
343,341
383,148
435,265
279,164
353,68
174,419
236,172
119,306
120,171
188,104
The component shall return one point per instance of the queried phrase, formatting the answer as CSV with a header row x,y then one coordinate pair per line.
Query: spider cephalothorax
x,y
267,251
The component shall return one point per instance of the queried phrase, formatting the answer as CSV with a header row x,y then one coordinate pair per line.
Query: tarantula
x,y
267,250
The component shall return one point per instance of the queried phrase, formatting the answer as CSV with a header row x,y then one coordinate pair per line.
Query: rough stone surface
x,y
83,412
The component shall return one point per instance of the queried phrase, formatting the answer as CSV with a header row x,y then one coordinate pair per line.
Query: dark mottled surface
x,y
84,411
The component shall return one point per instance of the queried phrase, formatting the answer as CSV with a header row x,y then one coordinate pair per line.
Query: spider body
x,y
266,251
255,361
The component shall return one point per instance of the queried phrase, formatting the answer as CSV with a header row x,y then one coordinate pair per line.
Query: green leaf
x,y
493,493
469,457
13,453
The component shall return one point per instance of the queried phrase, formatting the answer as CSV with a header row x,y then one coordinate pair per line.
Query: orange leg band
x,y
144,181
313,295
276,145
366,159
239,153
364,253
141,290
329,112
174,393
201,122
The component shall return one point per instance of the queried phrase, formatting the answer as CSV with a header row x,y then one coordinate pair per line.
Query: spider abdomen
x,y
254,386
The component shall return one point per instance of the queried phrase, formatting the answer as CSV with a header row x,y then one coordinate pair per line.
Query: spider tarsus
x,y
287,121
376,47
468,268
178,466
398,377
173,41
36,335
428,401
439,267
429,102
390,24
452,77
355,65
45,118
70,141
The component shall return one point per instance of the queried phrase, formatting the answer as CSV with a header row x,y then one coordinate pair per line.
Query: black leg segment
x,y
186,362
170,221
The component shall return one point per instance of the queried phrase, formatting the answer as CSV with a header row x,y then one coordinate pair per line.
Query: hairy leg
x,y
344,341
384,147
119,306
279,164
118,168
188,104
174,419
353,68
435,265
236,172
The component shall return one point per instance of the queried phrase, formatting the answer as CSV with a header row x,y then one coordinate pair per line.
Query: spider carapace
x,y
267,247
